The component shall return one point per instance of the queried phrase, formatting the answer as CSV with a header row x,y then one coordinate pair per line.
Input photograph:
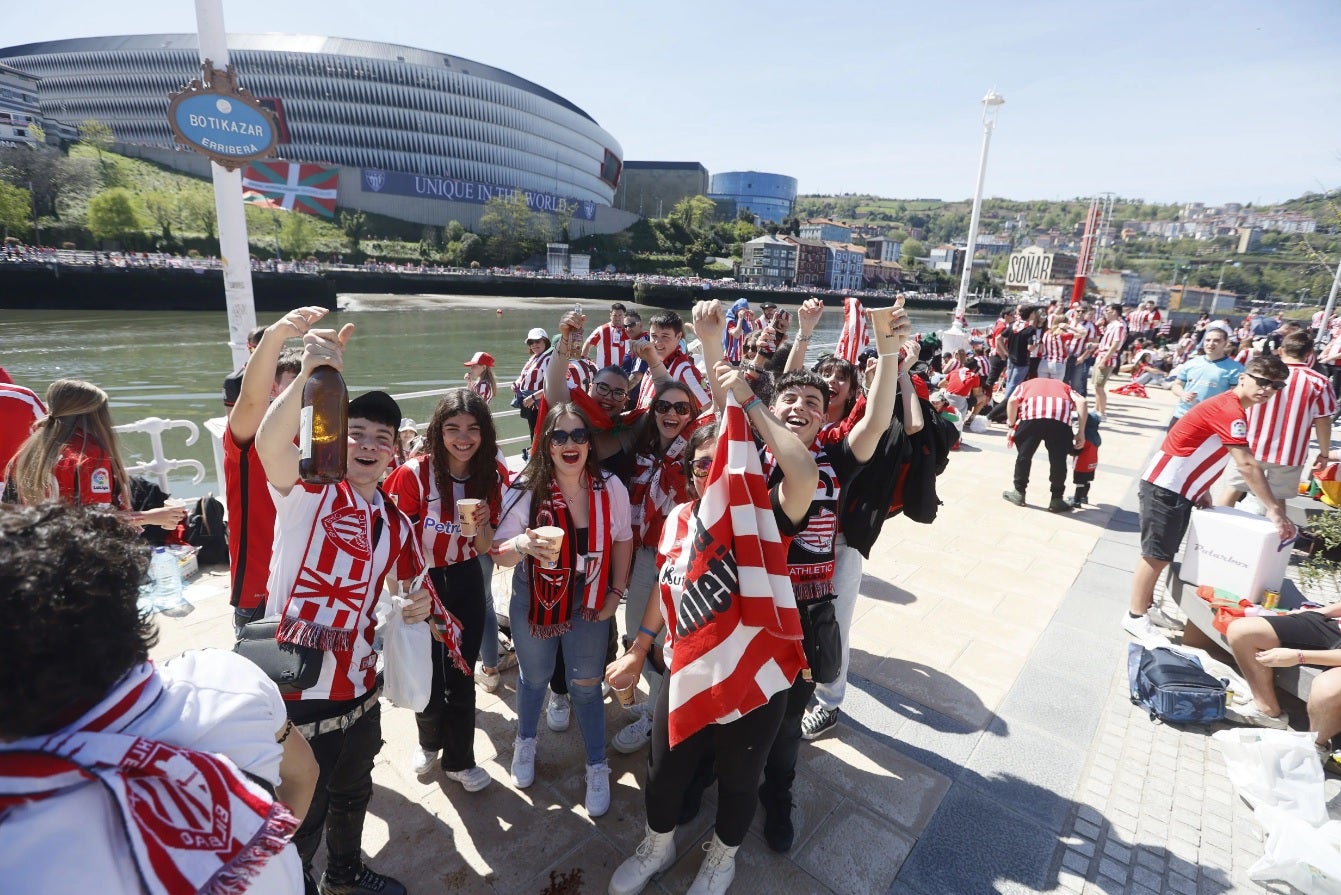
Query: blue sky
x,y
1170,101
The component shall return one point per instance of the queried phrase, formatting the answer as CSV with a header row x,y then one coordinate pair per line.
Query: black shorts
x,y
1306,630
1165,516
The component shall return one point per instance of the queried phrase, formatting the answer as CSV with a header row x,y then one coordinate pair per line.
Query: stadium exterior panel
x,y
409,119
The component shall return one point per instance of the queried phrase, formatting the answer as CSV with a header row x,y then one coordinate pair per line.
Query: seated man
x,y
1306,637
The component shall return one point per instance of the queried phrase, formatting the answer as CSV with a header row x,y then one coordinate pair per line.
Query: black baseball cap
x,y
376,407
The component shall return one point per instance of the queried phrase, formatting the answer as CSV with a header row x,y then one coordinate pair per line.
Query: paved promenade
x,y
986,744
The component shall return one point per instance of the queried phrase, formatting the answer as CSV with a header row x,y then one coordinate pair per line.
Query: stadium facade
x,y
423,136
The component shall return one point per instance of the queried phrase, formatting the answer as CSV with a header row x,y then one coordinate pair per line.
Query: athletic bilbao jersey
x,y
1044,399
413,488
682,370
1279,430
608,346
20,408
1197,447
251,523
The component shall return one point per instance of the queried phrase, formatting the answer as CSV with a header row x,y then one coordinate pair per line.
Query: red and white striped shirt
x,y
532,375
1115,334
1279,430
682,370
414,489
1138,320
1045,399
609,344
1197,447
1055,345
20,409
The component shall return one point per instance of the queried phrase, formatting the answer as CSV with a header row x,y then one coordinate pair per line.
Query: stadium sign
x,y
216,117
473,192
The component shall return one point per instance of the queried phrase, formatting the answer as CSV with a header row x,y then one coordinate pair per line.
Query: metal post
x,y
233,250
991,103
1331,303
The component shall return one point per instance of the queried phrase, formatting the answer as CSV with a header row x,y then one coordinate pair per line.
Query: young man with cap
x,y
1180,476
334,546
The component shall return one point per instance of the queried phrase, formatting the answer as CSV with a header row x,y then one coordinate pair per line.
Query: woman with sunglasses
x,y
659,484
461,461
565,590
737,747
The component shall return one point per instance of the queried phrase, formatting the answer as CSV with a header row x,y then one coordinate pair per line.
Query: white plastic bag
x,y
406,654
977,425
1277,768
1306,857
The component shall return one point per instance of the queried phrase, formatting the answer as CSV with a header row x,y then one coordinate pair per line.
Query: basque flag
x,y
738,635
292,187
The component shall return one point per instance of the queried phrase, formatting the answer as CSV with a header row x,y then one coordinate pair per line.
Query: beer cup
x,y
882,321
553,534
465,515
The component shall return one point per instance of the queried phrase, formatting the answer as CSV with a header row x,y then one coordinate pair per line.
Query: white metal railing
x,y
159,466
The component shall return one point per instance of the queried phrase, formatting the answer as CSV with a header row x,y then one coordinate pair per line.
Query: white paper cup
x,y
465,515
625,688
882,320
553,534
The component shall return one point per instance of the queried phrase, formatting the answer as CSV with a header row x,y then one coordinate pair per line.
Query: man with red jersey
x,y
1180,476
1040,412
334,546
251,511
608,340
1278,431
665,331
961,384
20,410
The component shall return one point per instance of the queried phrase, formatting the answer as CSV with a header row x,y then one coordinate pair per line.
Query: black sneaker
x,y
817,722
778,830
1057,505
367,882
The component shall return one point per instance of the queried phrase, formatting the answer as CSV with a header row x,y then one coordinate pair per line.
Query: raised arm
x,y
259,378
556,371
709,322
808,317
865,435
913,421
800,475
275,437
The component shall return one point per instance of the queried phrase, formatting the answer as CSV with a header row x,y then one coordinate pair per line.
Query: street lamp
x,y
990,104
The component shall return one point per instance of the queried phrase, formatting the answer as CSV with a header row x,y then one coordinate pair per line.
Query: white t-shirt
x,y
517,510
213,701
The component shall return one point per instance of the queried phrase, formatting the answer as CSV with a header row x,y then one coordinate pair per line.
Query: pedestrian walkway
x,y
986,743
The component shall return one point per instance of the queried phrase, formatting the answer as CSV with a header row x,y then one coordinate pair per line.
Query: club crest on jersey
x,y
551,585
1239,428
348,529
100,482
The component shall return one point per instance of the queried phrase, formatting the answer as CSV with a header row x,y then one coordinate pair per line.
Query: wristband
x,y
643,630
750,404
803,338
1301,657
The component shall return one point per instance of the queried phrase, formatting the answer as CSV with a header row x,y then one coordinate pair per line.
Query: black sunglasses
x,y
1276,384
700,467
761,351
682,408
561,436
605,391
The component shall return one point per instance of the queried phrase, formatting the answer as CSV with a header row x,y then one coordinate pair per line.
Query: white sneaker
x,y
523,761
559,713
423,760
507,660
1160,619
598,789
634,736
488,679
654,855
1141,628
718,870
471,779
1252,716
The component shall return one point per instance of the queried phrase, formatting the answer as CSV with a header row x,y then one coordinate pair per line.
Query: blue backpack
x,y
1173,687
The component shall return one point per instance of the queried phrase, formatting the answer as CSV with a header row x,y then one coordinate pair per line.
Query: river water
x,y
172,364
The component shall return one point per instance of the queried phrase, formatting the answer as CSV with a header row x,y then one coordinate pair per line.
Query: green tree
x,y
198,212
694,212
911,251
114,214
352,223
97,135
453,232
296,236
165,211
16,208
512,228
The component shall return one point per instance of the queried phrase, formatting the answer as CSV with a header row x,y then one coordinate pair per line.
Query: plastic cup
x,y
625,688
882,321
554,534
465,515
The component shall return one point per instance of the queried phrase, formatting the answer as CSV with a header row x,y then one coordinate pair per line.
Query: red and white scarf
x,y
337,572
856,333
659,484
577,583
193,822
736,632
449,628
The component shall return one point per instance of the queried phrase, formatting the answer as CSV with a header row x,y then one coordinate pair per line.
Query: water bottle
x,y
165,581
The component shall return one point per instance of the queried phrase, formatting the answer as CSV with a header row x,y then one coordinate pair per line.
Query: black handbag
x,y
291,667
823,640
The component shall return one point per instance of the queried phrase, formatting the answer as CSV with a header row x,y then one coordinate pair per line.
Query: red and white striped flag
x,y
856,333
737,637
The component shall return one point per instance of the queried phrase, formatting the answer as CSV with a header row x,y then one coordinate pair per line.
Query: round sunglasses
x,y
561,436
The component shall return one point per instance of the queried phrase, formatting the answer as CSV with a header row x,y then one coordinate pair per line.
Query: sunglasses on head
x,y
1263,382
682,408
561,436
700,467
605,391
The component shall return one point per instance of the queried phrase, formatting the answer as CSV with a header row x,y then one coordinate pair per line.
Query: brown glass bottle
x,y
323,429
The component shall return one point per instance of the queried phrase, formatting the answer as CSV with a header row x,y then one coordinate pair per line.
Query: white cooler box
x,y
1235,551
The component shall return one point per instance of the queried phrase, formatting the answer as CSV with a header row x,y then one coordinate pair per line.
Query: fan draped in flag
x,y
737,634
856,333
292,187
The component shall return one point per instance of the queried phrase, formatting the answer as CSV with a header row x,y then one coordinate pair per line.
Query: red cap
x,y
480,358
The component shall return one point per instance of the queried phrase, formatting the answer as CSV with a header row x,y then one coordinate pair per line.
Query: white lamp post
x,y
990,104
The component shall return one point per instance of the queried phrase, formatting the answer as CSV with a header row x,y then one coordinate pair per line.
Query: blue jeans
x,y
1015,375
584,655
489,639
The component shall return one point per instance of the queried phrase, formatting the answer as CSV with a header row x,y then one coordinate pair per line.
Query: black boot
x,y
778,830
